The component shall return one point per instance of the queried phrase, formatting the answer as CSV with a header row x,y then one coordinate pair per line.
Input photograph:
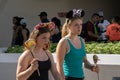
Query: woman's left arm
x,y
53,70
88,65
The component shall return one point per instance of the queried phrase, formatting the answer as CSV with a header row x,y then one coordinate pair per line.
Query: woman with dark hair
x,y
70,52
16,25
20,31
37,60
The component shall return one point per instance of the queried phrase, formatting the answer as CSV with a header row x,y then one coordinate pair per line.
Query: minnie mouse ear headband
x,y
39,26
75,13
50,25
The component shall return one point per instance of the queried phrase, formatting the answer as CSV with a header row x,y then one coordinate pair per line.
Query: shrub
x,y
92,47
15,49
20,49
53,47
103,48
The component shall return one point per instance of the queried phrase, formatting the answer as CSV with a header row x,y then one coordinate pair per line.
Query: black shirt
x,y
44,67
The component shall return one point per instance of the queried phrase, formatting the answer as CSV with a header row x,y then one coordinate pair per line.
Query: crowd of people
x,y
98,28
21,32
36,61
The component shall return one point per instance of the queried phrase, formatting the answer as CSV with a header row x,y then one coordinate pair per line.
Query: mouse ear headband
x,y
50,25
39,26
75,13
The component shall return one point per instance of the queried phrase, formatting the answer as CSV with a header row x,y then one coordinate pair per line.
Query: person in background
x,y
92,28
38,58
21,32
16,24
70,51
25,30
113,30
43,17
56,33
102,26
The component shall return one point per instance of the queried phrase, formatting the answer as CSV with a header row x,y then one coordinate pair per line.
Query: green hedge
x,y
92,47
103,48
15,49
20,49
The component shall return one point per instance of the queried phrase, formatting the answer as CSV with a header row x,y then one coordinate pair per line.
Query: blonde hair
x,y
65,30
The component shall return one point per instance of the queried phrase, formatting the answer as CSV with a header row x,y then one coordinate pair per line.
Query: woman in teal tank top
x,y
70,52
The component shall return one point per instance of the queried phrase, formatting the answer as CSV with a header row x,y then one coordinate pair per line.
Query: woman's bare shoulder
x,y
48,52
26,55
63,41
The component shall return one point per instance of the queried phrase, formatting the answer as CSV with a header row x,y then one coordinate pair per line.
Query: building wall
x,y
29,9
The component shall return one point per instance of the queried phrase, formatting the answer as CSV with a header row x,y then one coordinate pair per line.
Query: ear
x,y
82,13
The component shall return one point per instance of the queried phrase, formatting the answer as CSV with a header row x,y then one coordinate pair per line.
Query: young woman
x,y
70,52
35,62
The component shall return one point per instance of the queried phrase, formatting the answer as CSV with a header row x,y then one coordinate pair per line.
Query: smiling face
x,y
75,26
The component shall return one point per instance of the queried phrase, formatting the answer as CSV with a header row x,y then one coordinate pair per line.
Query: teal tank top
x,y
73,61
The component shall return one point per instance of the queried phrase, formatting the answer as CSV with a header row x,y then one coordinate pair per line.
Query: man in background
x,y
103,24
43,17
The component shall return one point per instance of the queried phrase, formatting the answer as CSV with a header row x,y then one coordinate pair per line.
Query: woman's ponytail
x,y
64,29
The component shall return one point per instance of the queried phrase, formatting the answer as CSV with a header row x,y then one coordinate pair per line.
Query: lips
x,y
45,44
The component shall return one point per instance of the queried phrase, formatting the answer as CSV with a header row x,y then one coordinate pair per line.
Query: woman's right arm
x,y
60,54
23,71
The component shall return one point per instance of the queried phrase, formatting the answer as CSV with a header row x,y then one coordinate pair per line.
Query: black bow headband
x,y
75,13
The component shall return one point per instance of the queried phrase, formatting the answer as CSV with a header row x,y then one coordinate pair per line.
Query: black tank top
x,y
44,67
19,36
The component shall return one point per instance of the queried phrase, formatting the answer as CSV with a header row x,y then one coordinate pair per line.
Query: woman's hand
x,y
95,69
34,64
